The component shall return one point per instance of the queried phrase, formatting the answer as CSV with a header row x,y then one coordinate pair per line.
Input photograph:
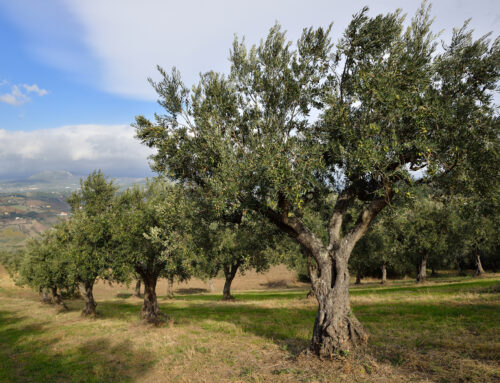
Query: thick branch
x,y
363,223
294,227
344,200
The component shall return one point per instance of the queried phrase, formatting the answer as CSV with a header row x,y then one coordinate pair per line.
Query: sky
x,y
73,73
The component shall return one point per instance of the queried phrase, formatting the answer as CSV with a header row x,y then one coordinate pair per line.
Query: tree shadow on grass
x,y
290,328
30,353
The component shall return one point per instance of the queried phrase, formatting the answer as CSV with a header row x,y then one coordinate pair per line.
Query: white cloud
x,y
78,149
17,97
116,44
129,37
34,88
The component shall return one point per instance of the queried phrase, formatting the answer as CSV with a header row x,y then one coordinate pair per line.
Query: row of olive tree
x,y
157,231
430,232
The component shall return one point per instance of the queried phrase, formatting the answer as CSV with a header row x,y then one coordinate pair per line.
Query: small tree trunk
x,y
422,271
433,271
44,296
138,288
211,287
479,266
229,273
86,291
170,288
150,311
56,298
336,330
384,274
358,278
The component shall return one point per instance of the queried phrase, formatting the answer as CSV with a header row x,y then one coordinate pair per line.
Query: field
x,y
447,330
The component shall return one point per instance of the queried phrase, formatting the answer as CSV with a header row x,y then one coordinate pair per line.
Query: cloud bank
x,y
79,149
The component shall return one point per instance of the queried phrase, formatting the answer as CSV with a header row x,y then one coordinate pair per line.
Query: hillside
x,y
32,205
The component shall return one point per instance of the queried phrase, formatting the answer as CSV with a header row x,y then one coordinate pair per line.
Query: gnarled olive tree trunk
x,y
479,266
229,273
56,298
137,292
87,293
422,269
336,329
358,278
211,287
384,274
44,295
170,288
150,311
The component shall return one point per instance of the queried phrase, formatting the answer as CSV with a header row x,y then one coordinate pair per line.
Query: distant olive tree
x,y
89,239
152,238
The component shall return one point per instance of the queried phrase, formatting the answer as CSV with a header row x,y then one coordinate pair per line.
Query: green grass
x,y
446,332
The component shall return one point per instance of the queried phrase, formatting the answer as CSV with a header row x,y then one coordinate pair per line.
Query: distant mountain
x,y
53,175
57,181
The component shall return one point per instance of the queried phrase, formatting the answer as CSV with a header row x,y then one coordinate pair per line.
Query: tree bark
x,y
211,287
44,295
86,291
336,330
422,270
56,298
170,288
384,274
138,289
479,266
358,278
229,273
150,312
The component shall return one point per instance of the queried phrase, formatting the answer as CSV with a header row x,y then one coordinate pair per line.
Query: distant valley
x,y
32,205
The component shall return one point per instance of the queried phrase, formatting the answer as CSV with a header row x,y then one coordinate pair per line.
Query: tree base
x,y
339,338
154,318
89,312
229,298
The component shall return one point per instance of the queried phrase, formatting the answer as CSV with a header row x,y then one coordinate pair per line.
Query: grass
x,y
443,331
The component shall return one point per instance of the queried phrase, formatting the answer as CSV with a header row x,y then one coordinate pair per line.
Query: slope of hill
x,y
32,205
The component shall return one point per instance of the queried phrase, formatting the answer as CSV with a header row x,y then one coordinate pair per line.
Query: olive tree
x,y
90,234
293,124
151,237
232,246
45,266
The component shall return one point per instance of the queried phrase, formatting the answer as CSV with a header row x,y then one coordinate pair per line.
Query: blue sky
x,y
73,72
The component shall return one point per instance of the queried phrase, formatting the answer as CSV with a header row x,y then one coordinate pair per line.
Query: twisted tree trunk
x,y
358,278
229,273
86,291
56,298
211,287
138,289
422,270
336,330
44,295
384,274
479,266
170,288
150,311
